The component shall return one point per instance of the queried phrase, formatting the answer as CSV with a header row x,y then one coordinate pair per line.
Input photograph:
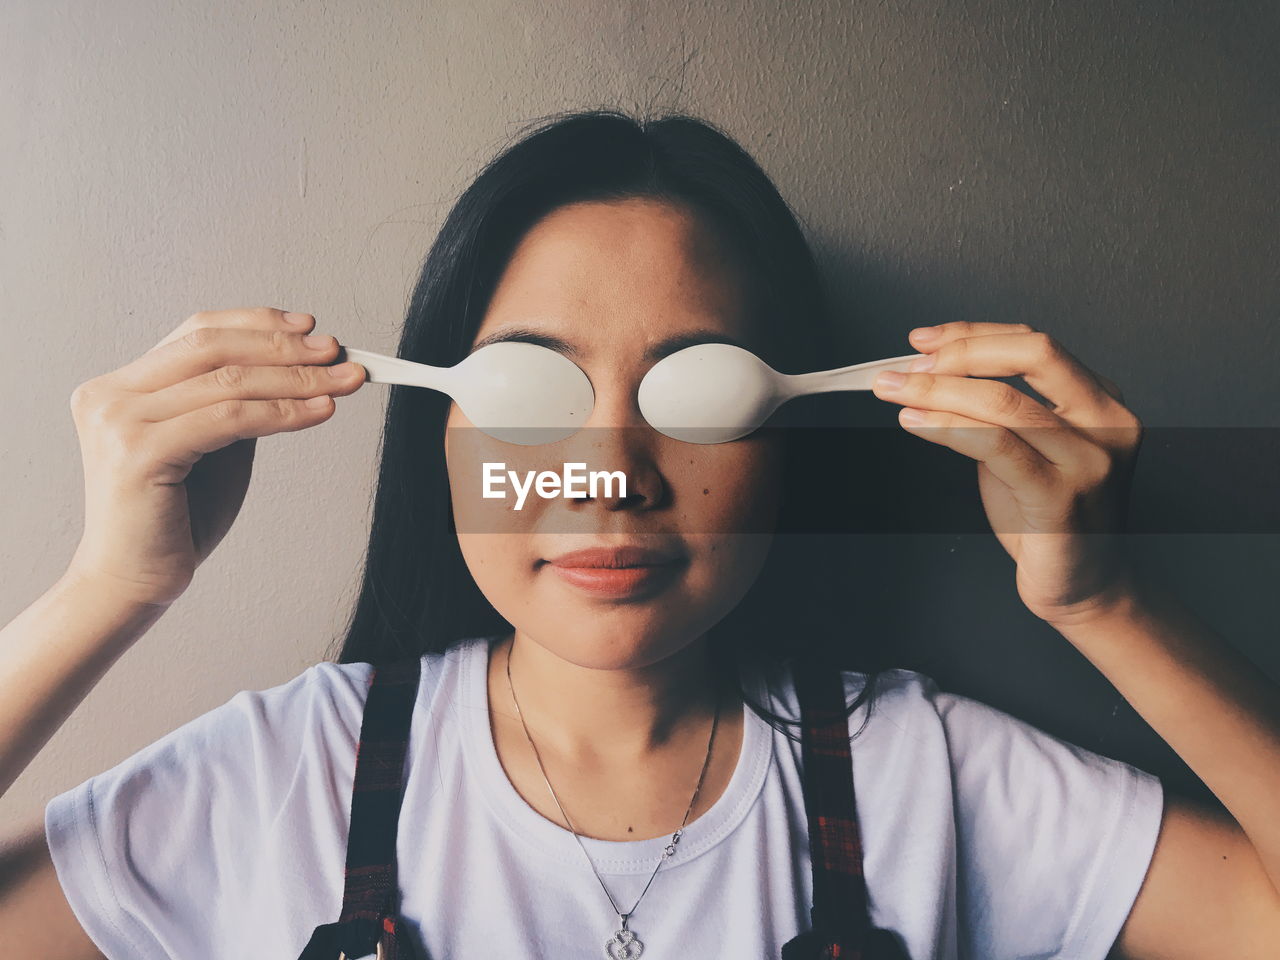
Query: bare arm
x,y
1054,480
51,655
33,909
1211,889
167,442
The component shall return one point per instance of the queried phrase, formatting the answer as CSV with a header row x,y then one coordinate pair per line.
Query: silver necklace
x,y
624,944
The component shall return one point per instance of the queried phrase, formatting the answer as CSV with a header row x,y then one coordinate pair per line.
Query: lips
x,y
618,572
615,558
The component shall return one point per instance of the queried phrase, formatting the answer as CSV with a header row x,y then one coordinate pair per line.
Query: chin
x,y
610,643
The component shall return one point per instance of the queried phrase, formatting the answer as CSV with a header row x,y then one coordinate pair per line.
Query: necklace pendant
x,y
623,945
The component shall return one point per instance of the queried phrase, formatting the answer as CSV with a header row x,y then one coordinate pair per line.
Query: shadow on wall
x,y
910,569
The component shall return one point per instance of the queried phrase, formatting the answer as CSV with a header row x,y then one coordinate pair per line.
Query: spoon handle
x,y
384,369
856,377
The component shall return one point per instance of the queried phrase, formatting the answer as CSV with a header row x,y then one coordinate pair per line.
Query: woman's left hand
x,y
1054,480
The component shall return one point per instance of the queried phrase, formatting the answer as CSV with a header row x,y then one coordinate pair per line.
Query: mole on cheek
x,y
705,491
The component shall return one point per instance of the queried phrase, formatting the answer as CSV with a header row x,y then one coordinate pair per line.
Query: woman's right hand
x,y
168,440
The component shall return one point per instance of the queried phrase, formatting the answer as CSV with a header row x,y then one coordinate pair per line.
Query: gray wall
x,y
1102,171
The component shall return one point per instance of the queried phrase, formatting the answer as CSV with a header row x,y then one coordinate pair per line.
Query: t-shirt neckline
x,y
609,856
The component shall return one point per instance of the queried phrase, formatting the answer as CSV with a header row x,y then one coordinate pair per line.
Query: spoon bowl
x,y
517,392
717,392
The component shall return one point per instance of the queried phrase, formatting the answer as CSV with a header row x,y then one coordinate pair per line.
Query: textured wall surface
x,y
1103,171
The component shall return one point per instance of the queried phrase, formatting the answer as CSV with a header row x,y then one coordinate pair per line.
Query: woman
x,y
576,760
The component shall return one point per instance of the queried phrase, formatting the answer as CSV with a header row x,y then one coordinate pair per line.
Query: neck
x,y
592,717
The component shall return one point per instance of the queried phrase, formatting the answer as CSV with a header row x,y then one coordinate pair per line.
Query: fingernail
x,y
890,380
921,363
342,369
298,318
910,416
923,334
316,341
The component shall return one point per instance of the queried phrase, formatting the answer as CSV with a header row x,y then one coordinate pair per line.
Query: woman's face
x,y
613,280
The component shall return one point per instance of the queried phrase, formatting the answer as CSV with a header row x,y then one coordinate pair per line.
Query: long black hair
x,y
417,594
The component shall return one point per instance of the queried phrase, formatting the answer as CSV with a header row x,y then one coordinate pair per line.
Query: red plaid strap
x,y
841,921
370,896
839,891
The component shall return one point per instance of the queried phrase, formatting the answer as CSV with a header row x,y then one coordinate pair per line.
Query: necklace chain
x,y
675,837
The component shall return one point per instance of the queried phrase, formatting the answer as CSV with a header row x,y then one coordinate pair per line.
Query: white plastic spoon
x,y
529,394
716,392
518,392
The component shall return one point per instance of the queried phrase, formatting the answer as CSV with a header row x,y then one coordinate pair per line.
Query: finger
x,y
1076,392
997,406
247,382
256,318
203,349
1110,386
183,440
928,339
1009,458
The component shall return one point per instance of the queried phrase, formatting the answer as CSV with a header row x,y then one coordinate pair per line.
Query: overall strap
x,y
367,923
841,921
835,845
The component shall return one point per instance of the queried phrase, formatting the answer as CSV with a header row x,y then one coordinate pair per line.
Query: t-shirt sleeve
x,y
157,855
1053,840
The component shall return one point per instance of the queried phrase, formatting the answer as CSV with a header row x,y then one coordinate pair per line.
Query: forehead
x,y
627,273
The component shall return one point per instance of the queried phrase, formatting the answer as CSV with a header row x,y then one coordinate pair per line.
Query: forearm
x,y
1217,710
51,655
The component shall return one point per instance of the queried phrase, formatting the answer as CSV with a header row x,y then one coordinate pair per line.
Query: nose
x,y
616,437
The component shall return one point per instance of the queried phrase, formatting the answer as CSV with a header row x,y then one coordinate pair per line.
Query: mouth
x,y
616,558
618,572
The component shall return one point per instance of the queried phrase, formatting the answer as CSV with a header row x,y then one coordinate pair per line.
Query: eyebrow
x,y
655,352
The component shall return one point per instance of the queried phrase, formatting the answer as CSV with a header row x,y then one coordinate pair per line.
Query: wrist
x,y
1127,596
101,615
113,591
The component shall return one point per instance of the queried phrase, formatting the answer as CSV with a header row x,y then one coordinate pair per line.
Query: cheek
x,y
732,514
493,538
497,564
478,464
501,568
731,489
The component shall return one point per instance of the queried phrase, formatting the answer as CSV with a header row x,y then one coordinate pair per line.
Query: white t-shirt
x,y
984,837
